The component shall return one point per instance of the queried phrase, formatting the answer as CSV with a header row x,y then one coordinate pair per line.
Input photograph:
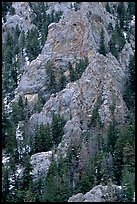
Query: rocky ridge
x,y
75,36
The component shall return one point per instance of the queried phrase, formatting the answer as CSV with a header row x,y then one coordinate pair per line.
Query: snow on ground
x,y
134,197
18,78
27,60
133,20
125,35
18,131
5,159
120,187
7,105
16,58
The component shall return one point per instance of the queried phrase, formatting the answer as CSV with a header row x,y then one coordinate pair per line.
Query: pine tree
x,y
38,140
71,72
108,7
5,184
39,105
26,180
117,41
128,184
102,48
57,129
32,44
121,14
112,136
131,68
22,41
52,85
62,81
110,28
129,92
43,139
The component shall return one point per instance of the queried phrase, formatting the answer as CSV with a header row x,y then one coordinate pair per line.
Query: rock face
x,y
40,163
103,78
99,194
20,18
73,37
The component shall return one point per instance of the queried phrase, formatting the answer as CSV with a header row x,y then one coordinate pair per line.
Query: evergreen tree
x,y
128,185
110,28
51,183
131,68
39,105
44,33
80,67
62,81
32,44
26,180
129,93
43,139
52,86
72,73
131,9
5,185
57,129
112,136
57,184
113,49
22,41
129,156
102,48
121,14
117,41
11,142
108,7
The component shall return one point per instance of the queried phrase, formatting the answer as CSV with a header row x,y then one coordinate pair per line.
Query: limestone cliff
x,y
74,37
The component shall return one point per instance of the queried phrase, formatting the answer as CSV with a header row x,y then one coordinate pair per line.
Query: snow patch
x,y
125,35
133,20
120,187
18,131
27,60
5,159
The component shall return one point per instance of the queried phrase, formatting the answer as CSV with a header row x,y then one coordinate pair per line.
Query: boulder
x,y
76,198
100,193
40,163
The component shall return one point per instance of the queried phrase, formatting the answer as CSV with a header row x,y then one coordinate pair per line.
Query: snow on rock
x,y
27,60
133,20
125,34
5,159
18,131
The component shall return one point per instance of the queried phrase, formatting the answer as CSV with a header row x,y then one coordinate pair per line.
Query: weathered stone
x,y
99,194
40,163
103,77
21,17
76,198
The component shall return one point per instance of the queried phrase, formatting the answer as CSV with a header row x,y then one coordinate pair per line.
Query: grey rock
x,y
40,163
76,198
99,194
71,38
104,76
21,17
